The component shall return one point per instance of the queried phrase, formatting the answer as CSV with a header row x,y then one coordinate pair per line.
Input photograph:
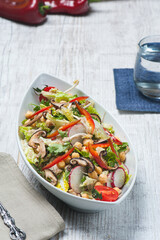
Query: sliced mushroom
x,y
37,143
104,153
68,167
49,175
44,114
32,120
84,162
78,161
101,141
56,169
57,105
96,117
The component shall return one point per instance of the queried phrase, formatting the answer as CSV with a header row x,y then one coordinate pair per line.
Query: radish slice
x,y
75,177
109,179
78,128
118,178
126,168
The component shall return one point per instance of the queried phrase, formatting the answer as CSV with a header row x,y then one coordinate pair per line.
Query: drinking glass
x,y
147,67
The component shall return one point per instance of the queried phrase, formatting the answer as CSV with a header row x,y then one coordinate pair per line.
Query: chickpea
x,y
98,170
102,178
93,175
84,195
28,114
61,164
75,155
49,123
33,125
118,190
98,184
42,119
86,141
122,156
67,160
78,145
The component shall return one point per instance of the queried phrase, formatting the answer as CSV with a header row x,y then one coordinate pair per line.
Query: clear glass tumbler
x,y
147,67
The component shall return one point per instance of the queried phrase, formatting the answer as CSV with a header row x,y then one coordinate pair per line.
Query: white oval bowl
x,y
75,202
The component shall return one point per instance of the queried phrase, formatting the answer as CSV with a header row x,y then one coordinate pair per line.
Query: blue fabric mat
x,y
128,98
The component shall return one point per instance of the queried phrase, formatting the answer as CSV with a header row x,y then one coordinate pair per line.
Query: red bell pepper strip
x,y
41,110
79,99
27,11
58,159
102,145
116,140
108,194
96,157
63,128
73,7
114,151
87,115
46,89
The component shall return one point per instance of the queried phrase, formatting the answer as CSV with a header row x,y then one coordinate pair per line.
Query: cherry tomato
x,y
108,194
47,90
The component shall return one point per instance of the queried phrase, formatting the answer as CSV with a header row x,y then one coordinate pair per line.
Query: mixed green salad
x,y
67,142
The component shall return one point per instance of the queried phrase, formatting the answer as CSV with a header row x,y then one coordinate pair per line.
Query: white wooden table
x,y
88,48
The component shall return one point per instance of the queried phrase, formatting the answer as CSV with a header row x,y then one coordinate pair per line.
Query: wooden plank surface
x,y
88,48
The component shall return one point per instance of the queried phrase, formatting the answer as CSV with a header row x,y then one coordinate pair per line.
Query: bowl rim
x,y
118,201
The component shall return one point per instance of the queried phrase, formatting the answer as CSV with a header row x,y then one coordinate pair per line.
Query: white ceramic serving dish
x,y
78,203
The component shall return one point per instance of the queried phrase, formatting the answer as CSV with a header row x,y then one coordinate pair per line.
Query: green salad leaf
x,y
25,132
58,96
29,152
82,153
57,122
83,179
58,149
45,102
66,174
92,110
96,194
62,133
43,126
123,147
76,112
110,158
58,115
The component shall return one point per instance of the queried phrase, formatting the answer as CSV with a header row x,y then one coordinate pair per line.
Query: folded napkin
x,y
31,211
128,98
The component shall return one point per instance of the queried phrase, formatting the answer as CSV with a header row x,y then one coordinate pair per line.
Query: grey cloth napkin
x,y
31,211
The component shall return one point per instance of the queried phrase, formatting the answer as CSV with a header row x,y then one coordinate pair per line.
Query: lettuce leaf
x,y
110,158
92,110
57,122
26,132
123,147
82,153
29,153
109,127
68,114
59,96
99,131
58,149
43,126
